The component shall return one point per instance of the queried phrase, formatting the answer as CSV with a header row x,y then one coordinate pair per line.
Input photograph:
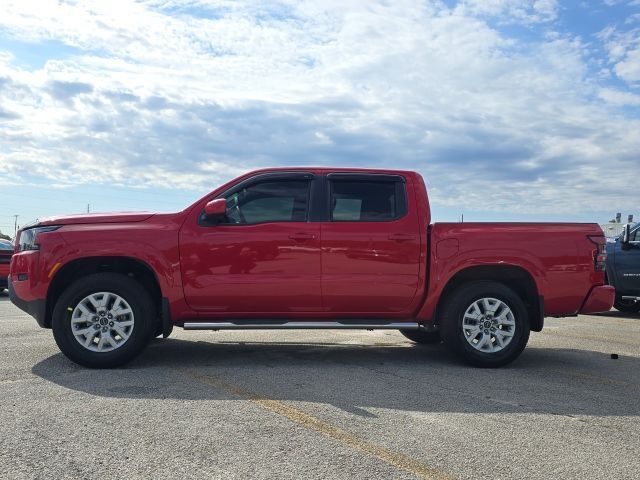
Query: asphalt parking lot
x,y
323,404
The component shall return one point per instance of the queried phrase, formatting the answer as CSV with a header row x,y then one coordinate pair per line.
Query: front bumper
x,y
36,308
600,299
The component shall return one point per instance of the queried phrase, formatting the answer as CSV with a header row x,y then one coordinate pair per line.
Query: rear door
x,y
370,245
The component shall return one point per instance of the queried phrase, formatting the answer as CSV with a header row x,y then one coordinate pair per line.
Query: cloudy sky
x,y
511,109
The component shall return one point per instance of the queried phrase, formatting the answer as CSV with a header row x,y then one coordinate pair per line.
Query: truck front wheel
x,y
485,323
103,320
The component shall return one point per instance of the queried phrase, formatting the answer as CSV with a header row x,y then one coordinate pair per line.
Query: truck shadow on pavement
x,y
356,378
617,314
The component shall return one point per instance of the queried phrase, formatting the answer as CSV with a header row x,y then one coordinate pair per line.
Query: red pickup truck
x,y
305,248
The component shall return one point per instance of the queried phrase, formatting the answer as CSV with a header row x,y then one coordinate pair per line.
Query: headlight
x,y
28,239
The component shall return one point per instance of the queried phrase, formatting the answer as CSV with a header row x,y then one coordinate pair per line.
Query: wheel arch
x,y
73,270
514,277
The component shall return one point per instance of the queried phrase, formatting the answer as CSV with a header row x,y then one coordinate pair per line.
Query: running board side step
x,y
277,325
630,297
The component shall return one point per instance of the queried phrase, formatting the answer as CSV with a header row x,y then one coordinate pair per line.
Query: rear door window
x,y
366,201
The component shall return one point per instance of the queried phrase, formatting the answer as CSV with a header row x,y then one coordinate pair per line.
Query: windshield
x,y
634,235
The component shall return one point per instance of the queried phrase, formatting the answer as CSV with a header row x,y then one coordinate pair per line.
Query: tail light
x,y
599,254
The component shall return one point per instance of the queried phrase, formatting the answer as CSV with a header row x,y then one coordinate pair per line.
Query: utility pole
x,y
15,226
88,208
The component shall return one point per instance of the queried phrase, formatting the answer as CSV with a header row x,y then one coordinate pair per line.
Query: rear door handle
x,y
401,237
302,236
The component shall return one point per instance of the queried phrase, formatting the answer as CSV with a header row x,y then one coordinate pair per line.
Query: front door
x,y
370,246
262,258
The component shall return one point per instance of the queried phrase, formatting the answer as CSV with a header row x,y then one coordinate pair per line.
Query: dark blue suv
x,y
623,268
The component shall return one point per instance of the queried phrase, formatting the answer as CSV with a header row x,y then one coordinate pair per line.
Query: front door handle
x,y
302,236
402,237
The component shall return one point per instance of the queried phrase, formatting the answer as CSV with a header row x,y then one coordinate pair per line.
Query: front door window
x,y
269,201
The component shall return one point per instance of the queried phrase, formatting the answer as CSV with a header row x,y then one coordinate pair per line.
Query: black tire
x,y
451,322
144,317
627,306
159,330
157,333
422,336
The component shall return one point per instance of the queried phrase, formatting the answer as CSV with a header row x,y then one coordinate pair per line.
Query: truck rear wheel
x,y
485,323
422,336
103,320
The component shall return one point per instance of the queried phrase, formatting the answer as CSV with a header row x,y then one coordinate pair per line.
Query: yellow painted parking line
x,y
586,376
18,380
310,422
599,338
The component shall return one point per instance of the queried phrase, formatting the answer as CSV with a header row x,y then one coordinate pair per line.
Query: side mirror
x,y
626,234
216,208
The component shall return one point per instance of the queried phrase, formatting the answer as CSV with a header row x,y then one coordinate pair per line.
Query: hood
x,y
115,217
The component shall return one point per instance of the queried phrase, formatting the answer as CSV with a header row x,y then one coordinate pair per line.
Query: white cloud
x,y
611,3
623,48
620,98
629,68
508,11
188,94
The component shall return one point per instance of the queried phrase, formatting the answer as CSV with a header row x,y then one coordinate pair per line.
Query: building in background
x,y
614,228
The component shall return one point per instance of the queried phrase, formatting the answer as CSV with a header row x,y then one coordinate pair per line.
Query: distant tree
x,y
4,237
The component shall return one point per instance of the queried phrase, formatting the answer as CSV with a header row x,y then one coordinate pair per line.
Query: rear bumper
x,y
600,299
35,308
